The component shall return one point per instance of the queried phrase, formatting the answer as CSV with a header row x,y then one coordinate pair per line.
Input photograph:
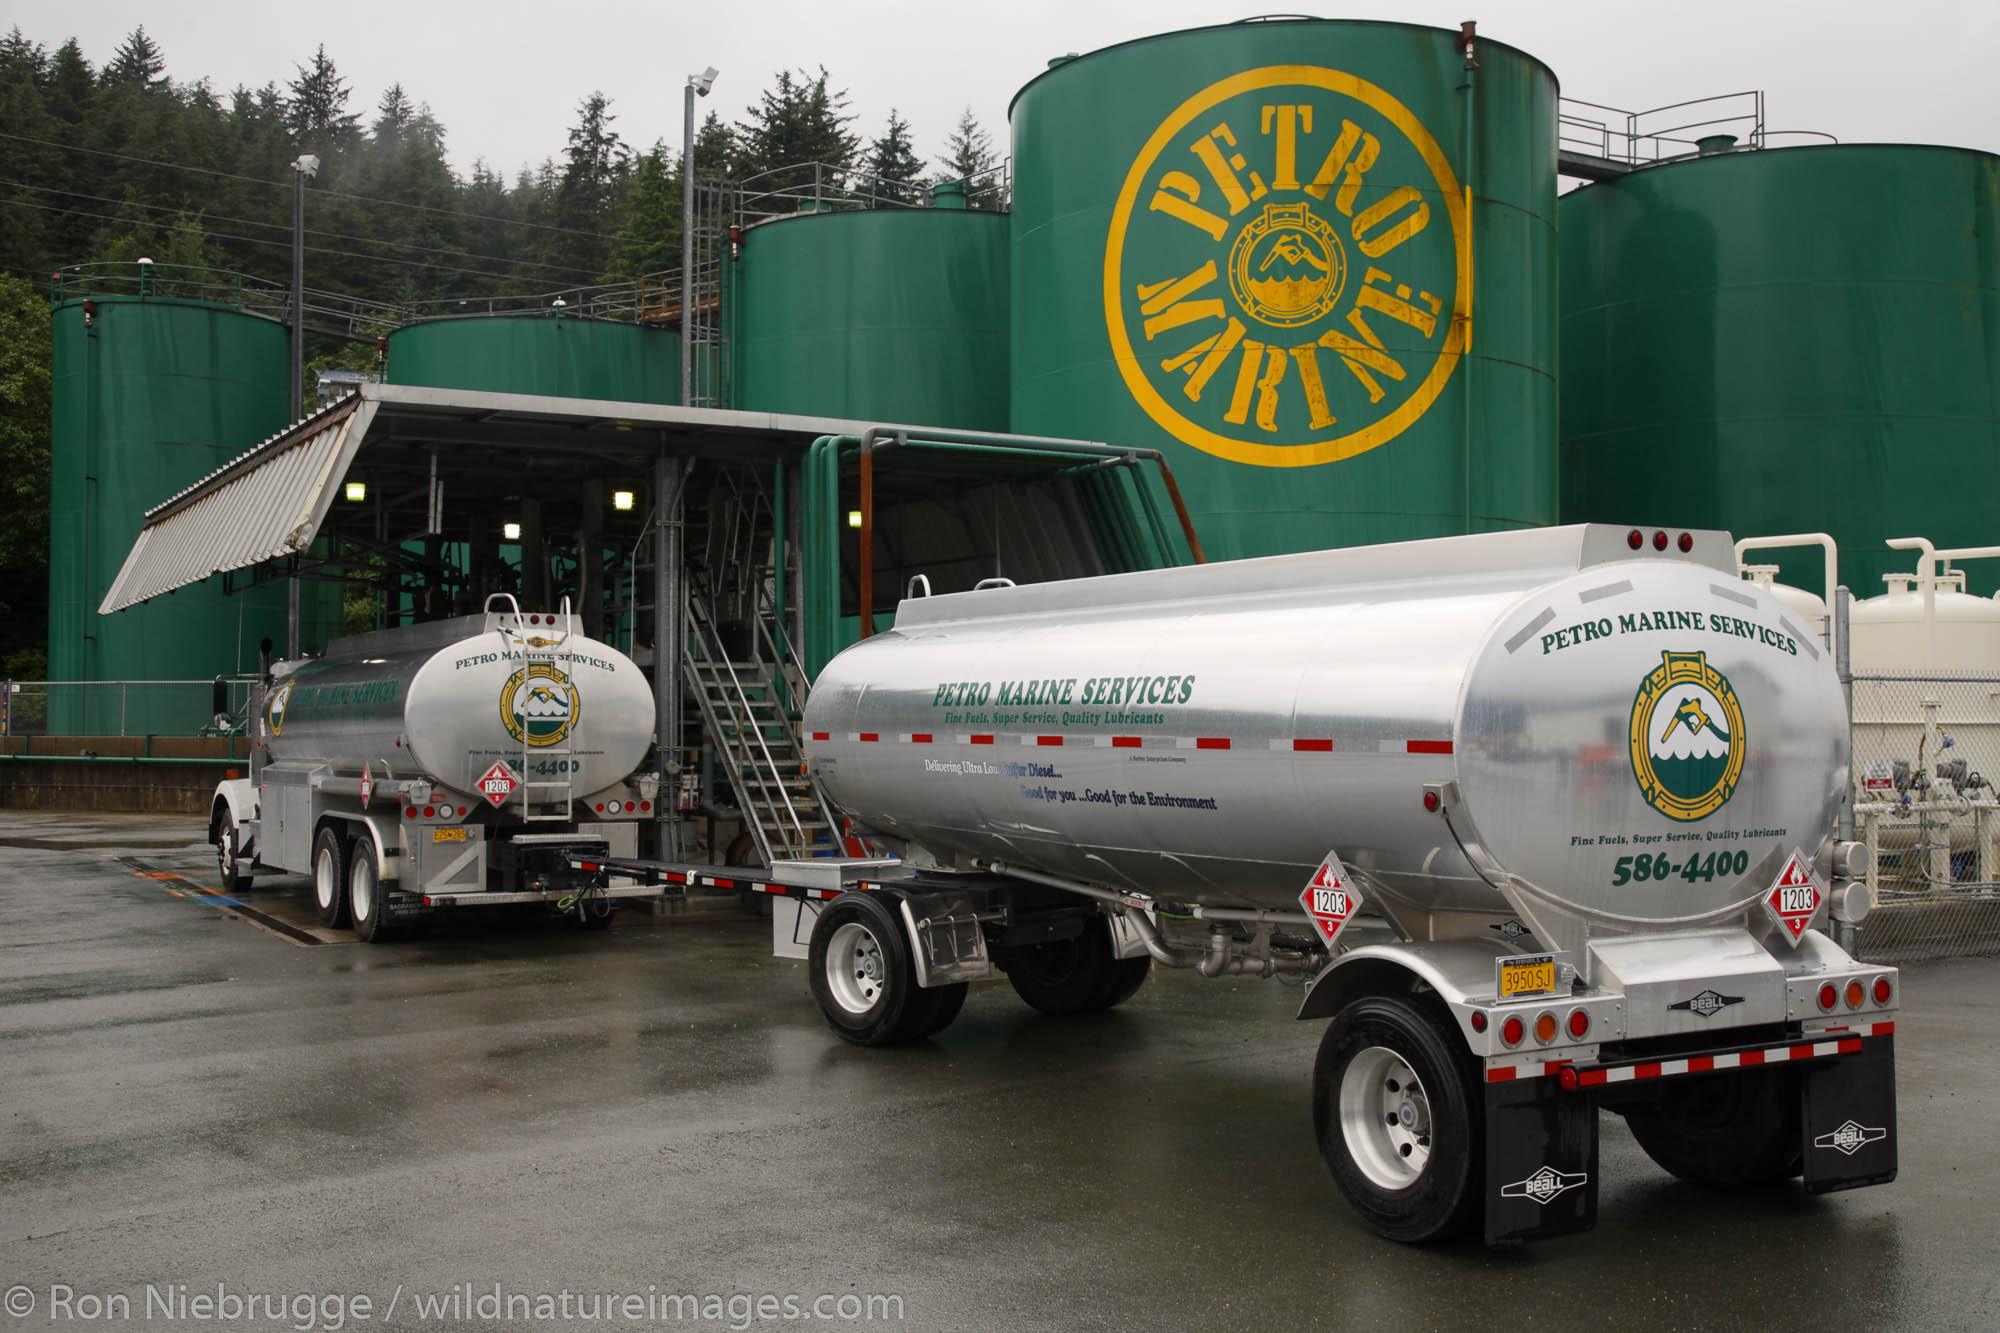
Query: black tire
x,y
862,978
1408,1156
1725,1131
950,999
1072,976
366,898
1127,975
329,876
234,875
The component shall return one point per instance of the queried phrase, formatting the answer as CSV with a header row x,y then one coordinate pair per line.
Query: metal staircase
x,y
756,737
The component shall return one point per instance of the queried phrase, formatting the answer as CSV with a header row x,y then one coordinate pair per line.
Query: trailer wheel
x,y
230,869
1127,975
950,1000
861,974
1395,1115
365,895
330,876
1070,976
1725,1131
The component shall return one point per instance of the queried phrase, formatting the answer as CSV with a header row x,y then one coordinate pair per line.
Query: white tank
x,y
1808,607
1887,632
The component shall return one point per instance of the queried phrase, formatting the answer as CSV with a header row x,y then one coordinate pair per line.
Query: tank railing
x,y
750,777
820,187
1639,138
619,300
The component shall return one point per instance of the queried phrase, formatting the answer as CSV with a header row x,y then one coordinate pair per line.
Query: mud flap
x,y
1849,1115
1541,1161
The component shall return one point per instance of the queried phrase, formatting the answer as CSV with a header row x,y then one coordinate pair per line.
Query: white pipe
x,y
1819,539
1927,559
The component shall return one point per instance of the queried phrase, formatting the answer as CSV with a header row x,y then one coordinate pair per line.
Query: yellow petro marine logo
x,y
1288,273
1687,737
539,704
280,697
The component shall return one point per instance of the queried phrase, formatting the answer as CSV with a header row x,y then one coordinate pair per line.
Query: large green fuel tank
x,y
548,354
1789,340
886,315
1313,261
150,394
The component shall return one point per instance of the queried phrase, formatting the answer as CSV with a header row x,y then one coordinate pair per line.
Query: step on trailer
x,y
1584,780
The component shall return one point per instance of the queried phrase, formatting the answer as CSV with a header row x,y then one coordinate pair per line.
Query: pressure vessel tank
x,y
1629,732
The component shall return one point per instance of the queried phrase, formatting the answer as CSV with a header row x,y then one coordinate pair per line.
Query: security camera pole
x,y
304,166
697,86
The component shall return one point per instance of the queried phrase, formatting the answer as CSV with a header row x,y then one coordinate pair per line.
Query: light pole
x,y
303,166
697,86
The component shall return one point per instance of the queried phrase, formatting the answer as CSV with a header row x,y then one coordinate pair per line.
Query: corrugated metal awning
x,y
266,505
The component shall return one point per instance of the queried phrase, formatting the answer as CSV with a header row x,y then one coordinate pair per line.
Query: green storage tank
x,y
1789,340
548,354
1312,261
886,315
150,394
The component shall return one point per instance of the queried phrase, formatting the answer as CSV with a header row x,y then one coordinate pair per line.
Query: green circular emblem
x,y
539,704
1687,737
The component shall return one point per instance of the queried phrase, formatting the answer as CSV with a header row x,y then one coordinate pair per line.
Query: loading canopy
x,y
269,504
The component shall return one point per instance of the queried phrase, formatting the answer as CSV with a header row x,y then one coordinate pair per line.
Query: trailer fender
x,y
236,798
1455,970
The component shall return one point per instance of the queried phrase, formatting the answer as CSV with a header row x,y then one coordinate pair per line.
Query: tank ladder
x,y
548,772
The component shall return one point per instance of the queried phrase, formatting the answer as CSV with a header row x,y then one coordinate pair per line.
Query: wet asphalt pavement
x,y
208,1106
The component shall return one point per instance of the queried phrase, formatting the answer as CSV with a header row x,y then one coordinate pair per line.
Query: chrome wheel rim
x,y
1385,1118
857,971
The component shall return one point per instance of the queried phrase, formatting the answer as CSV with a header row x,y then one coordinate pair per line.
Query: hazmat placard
x,y
1329,899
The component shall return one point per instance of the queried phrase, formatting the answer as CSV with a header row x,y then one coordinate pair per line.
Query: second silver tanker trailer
x,y
415,770
1584,778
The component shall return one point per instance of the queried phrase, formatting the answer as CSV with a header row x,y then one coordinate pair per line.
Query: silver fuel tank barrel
x,y
448,698
1638,734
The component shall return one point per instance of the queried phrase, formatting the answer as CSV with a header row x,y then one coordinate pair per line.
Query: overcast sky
x,y
505,77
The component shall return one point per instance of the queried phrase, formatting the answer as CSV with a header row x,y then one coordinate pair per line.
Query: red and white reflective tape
x,y
1042,740
1575,1076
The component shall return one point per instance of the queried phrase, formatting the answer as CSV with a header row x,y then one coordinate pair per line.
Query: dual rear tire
x,y
347,890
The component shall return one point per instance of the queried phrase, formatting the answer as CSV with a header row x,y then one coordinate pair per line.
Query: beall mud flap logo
x,y
1545,1185
539,704
1288,271
1687,738
1850,1138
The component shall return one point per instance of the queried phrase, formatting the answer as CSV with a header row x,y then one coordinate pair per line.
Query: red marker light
x,y
1882,991
1635,539
1828,996
600,807
1687,541
1659,541
1431,801
1579,1024
430,812
645,805
1512,1031
1479,1020
461,812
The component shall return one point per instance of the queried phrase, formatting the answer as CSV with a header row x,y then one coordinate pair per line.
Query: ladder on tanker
x,y
545,701
756,738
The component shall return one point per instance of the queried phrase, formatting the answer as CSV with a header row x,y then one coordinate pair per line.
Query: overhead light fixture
x,y
621,499
511,531
854,518
357,491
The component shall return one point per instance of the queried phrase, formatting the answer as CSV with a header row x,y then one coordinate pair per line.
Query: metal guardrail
x,y
123,707
1682,129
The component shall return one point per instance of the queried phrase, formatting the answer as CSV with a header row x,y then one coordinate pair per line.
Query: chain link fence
x,y
1926,758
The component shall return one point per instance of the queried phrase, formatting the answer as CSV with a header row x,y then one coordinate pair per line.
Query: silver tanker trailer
x,y
443,765
1583,780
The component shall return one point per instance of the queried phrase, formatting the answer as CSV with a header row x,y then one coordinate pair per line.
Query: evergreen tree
x,y
894,164
24,478
316,113
649,234
796,124
137,64
72,87
715,149
594,169
969,157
